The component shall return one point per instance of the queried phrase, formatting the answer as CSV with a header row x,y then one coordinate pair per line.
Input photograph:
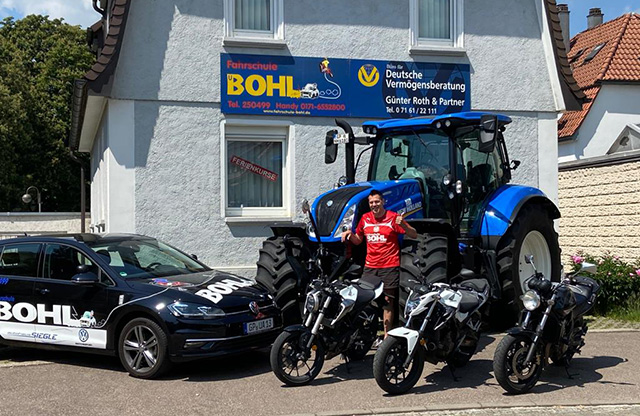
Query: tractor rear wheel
x,y
422,260
277,276
532,232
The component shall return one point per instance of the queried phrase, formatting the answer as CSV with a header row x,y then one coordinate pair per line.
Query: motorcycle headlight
x,y
310,232
312,304
412,302
347,221
531,300
194,310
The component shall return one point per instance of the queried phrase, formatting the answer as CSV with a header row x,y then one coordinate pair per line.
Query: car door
x,y
70,313
18,272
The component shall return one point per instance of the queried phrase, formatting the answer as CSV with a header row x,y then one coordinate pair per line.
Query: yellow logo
x,y
368,75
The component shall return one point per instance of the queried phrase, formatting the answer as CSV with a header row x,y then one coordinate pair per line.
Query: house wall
x,y
615,106
169,69
600,210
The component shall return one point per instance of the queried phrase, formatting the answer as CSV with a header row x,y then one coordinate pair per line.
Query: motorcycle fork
x,y
536,339
421,332
316,325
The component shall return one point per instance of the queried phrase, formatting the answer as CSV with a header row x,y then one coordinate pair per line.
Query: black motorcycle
x,y
552,328
340,317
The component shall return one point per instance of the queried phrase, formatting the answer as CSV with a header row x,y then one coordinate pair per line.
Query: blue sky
x,y
80,12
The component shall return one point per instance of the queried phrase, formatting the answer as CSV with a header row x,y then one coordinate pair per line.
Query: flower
x,y
577,259
638,272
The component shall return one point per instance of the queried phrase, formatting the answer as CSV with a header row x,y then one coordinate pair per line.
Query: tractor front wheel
x,y
277,276
532,232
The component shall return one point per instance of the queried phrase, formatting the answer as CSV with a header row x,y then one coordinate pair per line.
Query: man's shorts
x,y
389,275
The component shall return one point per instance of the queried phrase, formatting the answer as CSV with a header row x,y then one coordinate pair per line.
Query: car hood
x,y
222,289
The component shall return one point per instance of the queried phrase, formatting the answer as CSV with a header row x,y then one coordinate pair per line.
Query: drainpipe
x,y
83,207
98,9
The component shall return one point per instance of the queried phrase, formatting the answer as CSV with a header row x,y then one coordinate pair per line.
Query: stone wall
x,y
600,205
17,223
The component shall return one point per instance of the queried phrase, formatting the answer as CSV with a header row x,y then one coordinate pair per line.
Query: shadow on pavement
x,y
583,371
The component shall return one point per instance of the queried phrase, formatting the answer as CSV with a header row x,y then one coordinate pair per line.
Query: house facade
x,y
599,145
206,120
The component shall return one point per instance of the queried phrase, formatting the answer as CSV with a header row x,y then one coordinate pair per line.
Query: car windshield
x,y
145,258
420,155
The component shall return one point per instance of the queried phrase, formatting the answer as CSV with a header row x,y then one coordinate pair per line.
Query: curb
x,y
471,406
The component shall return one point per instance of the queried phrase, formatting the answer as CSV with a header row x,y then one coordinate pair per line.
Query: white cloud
x,y
74,12
633,9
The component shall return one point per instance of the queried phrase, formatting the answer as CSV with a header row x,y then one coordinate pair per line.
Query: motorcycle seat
x,y
366,292
469,301
479,285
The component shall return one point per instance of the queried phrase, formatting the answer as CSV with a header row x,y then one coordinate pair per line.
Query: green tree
x,y
39,59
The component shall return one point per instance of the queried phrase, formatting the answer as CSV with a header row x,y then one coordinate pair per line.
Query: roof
x,y
98,80
609,52
571,91
394,123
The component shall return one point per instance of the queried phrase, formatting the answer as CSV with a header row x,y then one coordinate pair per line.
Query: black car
x,y
129,295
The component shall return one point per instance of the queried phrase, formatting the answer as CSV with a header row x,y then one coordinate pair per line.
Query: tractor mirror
x,y
331,148
305,206
488,133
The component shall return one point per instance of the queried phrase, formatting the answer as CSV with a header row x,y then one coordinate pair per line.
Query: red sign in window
x,y
252,167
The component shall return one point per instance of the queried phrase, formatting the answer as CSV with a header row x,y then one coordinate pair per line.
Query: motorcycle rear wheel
x,y
292,362
508,367
389,370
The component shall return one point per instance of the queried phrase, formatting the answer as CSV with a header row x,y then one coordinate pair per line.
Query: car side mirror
x,y
331,148
488,133
85,276
193,256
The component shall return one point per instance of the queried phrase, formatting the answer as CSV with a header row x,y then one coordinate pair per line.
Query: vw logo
x,y
83,335
255,309
329,203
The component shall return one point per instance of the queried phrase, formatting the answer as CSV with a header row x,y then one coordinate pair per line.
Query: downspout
x,y
98,9
83,207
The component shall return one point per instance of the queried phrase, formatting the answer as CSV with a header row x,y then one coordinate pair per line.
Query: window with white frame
x,y
436,24
254,19
255,173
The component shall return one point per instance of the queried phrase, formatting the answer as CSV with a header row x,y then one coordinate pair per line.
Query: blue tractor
x,y
449,175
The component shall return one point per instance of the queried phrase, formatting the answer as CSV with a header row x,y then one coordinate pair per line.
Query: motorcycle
x,y
552,327
442,324
341,316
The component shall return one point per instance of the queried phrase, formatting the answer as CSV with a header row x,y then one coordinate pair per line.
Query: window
x,y
594,52
255,172
254,19
20,260
61,263
436,25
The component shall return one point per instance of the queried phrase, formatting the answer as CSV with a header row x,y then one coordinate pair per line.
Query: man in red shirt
x,y
381,229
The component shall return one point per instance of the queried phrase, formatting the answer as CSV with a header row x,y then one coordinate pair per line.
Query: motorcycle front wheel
x,y
292,362
389,370
512,373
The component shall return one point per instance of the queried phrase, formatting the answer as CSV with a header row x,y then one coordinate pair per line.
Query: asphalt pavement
x,y
605,380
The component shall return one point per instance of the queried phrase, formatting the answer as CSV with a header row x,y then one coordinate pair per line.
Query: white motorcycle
x,y
442,325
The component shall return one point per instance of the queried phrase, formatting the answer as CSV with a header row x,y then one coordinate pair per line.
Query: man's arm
x,y
350,236
408,229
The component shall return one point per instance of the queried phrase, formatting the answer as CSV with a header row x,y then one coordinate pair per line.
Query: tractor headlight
x,y
412,302
531,300
312,304
347,221
194,310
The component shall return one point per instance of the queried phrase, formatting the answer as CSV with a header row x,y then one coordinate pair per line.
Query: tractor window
x,y
423,156
483,174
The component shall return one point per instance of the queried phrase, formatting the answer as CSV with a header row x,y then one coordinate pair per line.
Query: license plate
x,y
258,326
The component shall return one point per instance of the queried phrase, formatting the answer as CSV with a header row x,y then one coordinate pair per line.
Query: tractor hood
x,y
340,209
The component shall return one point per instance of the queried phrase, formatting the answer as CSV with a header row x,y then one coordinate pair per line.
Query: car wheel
x,y
143,348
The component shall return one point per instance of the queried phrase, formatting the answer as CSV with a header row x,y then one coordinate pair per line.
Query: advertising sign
x,y
328,87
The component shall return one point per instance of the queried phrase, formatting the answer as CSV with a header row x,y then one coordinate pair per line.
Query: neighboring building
x,y
599,146
180,149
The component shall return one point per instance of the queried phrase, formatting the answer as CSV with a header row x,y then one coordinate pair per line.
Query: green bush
x,y
619,280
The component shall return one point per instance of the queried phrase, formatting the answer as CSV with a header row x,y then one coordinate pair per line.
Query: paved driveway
x,y
64,383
